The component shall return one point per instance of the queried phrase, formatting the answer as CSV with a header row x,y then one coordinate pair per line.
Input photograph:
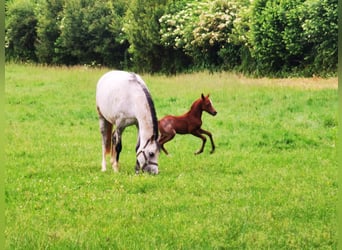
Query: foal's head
x,y
207,105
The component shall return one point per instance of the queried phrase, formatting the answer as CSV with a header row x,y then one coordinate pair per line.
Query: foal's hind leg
x,y
202,131
106,131
164,138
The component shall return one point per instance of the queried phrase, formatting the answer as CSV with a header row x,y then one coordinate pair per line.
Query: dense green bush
x,y
260,37
321,31
276,35
49,15
142,30
290,36
91,33
20,24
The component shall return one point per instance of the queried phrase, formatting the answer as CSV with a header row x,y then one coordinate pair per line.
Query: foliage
x,y
21,34
49,15
260,37
287,36
320,31
272,182
273,24
91,33
142,30
178,24
202,30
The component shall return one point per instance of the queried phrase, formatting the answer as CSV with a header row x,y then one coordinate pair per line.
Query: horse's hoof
x,y
116,167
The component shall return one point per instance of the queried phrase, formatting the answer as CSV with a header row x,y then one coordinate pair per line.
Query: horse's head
x,y
207,105
147,157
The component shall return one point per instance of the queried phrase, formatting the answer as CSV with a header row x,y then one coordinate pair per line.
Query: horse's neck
x,y
145,125
146,115
145,132
196,110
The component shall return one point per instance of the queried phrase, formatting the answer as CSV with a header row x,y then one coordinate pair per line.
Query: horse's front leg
x,y
116,149
202,131
198,134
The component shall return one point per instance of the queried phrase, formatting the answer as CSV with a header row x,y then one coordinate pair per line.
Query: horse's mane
x,y
150,104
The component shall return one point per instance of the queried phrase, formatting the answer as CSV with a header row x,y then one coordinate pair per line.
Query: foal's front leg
x,y
197,133
202,131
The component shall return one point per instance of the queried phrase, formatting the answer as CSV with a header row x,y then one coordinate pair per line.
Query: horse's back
x,y
114,80
115,93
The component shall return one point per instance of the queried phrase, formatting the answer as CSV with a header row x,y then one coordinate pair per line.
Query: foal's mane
x,y
195,104
150,104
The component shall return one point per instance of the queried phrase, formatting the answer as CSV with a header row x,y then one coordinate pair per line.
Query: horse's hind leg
x,y
106,131
202,131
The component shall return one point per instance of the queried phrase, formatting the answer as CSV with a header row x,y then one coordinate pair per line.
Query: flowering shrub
x,y
200,29
176,27
215,26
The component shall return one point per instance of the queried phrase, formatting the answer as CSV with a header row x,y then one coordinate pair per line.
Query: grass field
x,y
271,184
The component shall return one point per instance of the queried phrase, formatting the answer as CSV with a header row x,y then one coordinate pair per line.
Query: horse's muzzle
x,y
152,169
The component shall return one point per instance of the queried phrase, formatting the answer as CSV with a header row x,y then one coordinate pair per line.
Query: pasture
x,y
271,183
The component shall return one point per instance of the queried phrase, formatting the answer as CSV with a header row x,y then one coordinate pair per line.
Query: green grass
x,y
271,184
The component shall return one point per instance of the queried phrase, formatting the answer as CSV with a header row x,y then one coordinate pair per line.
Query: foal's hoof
x,y
198,152
212,151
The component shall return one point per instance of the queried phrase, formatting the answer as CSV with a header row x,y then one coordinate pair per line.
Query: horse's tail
x,y
109,138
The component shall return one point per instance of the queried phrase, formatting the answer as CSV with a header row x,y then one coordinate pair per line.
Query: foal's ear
x,y
205,97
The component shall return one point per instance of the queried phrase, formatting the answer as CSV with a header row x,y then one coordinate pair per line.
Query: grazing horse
x,y
189,123
122,99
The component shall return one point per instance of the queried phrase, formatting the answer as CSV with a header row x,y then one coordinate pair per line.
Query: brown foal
x,y
189,123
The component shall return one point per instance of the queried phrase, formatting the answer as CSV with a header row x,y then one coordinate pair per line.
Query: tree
x,y
320,29
91,33
20,28
142,30
49,15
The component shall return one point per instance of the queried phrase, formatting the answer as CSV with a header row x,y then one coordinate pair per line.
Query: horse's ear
x,y
202,96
